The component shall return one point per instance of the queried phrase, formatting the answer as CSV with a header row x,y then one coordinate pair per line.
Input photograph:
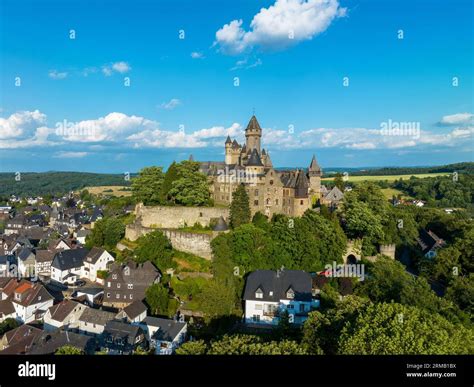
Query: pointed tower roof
x,y
264,152
314,166
244,148
268,161
301,185
253,124
235,144
254,159
191,157
228,140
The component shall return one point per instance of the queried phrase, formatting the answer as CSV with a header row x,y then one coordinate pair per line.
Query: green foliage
x,y
107,232
157,299
241,345
261,221
461,292
240,207
146,187
54,183
216,300
69,350
339,182
170,176
7,325
156,248
191,187
394,329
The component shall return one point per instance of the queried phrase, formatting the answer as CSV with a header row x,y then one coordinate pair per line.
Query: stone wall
x,y
195,243
176,217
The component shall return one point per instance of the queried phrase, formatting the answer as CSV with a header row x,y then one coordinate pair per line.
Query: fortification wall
x,y
176,217
194,243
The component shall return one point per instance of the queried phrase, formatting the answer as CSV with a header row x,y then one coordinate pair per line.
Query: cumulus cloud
x,y
21,124
243,64
118,67
171,104
54,74
197,55
457,119
285,23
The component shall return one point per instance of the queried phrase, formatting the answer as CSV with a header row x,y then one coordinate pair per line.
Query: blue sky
x,y
324,77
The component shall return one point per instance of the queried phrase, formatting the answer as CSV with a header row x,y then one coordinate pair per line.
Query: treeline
x,y
466,168
440,191
54,183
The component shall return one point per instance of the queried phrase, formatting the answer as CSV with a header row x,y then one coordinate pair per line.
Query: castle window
x,y
255,202
276,202
301,202
256,192
271,181
200,214
268,201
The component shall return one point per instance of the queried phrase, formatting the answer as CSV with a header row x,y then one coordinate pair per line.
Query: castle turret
x,y
253,133
314,173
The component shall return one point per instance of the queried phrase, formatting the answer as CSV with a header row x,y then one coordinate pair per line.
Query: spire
x,y
228,140
314,166
268,161
253,124
235,144
191,158
263,152
254,160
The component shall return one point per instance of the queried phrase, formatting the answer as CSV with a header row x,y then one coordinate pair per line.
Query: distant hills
x,y
58,183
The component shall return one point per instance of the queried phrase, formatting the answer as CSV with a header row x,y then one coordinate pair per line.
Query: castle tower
x,y
314,173
228,151
253,134
254,165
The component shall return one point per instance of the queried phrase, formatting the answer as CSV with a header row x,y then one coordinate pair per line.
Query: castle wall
x,y
175,217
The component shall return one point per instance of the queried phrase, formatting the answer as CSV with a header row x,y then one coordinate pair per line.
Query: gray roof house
x,y
163,334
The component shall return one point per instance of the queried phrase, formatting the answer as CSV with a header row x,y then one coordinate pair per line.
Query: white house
x,y
64,314
269,293
163,334
93,321
133,313
96,259
26,262
67,265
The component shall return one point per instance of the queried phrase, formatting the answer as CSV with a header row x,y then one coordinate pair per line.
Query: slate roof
x,y
275,285
50,342
60,311
33,295
334,195
253,124
24,254
69,259
135,309
43,256
94,255
118,329
6,307
254,159
11,259
20,339
428,240
96,316
168,329
314,166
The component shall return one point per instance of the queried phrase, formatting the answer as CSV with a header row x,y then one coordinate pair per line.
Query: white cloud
x,y
119,67
171,104
54,74
70,155
21,124
285,23
197,55
457,119
243,64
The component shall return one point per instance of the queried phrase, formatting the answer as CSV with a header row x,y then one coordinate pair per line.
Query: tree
x,y
395,329
107,232
461,292
198,347
217,300
170,176
261,221
156,248
191,188
146,187
157,298
339,182
7,325
239,208
69,350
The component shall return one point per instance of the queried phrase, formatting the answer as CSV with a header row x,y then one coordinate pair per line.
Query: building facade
x,y
271,191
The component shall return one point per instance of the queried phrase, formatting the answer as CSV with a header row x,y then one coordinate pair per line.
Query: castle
x,y
271,191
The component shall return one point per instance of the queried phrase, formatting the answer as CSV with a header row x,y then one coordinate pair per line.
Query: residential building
x,y
64,314
66,267
18,340
133,313
269,293
163,334
429,243
93,321
96,259
120,338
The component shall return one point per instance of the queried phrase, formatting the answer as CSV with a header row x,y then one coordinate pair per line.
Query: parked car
x,y
79,283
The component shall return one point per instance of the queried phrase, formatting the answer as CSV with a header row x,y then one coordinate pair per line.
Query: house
x,y
128,282
429,243
44,259
29,300
59,244
66,267
268,293
49,342
163,334
8,265
89,296
18,340
26,262
64,314
121,338
81,235
332,198
96,259
9,244
93,321
133,313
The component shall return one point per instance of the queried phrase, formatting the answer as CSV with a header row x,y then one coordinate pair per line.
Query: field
x,y
387,177
389,193
113,190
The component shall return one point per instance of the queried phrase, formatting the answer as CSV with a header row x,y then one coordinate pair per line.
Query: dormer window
x,y
259,293
290,293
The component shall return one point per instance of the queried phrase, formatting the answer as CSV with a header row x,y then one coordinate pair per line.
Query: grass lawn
x,y
191,263
113,190
390,192
387,177
189,287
